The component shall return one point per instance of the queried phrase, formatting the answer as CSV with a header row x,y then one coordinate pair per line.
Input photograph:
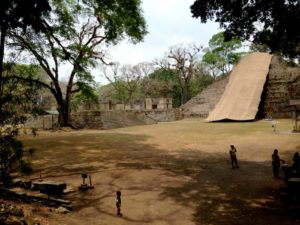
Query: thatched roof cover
x,y
243,92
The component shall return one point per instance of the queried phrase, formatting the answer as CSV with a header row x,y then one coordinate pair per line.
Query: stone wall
x,y
109,119
87,119
139,104
106,119
41,122
282,85
161,115
116,119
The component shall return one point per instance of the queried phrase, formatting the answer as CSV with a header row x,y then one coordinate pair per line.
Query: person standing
x,y
276,163
118,203
296,160
233,157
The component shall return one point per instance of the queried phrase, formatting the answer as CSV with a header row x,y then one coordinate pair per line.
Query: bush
x,y
11,156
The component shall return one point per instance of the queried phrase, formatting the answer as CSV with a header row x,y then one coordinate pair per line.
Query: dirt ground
x,y
175,173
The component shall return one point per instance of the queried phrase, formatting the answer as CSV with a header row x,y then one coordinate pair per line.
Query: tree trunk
x,y
2,46
64,114
64,109
5,178
182,96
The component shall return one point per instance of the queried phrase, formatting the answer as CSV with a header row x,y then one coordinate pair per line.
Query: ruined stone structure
x,y
44,122
107,119
203,103
242,96
158,103
139,104
281,86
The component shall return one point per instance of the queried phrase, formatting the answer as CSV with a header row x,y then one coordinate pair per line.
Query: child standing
x,y
118,203
233,157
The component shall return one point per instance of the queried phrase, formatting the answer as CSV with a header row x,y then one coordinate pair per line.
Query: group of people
x,y
277,163
289,170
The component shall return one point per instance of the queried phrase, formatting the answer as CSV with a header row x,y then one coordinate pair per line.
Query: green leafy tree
x,y
77,34
162,83
126,79
12,156
108,92
16,14
15,97
183,61
87,98
201,78
259,48
221,55
273,23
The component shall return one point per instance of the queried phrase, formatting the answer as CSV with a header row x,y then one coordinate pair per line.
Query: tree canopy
x,y
15,97
221,54
274,23
126,79
20,13
78,33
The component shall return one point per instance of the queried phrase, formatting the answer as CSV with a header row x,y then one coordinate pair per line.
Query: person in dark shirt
x,y
296,160
276,163
118,203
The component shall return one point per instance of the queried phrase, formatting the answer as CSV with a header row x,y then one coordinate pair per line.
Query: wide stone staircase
x,y
203,103
116,119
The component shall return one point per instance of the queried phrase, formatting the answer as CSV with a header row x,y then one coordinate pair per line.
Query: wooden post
x,y
295,103
296,124
90,177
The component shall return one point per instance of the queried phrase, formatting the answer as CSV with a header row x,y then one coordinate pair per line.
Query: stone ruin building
x,y
259,85
113,114
139,104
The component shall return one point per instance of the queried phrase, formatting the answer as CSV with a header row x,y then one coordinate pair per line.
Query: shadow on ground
x,y
218,194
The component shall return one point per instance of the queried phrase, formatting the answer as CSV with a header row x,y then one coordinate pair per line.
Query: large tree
x,y
162,82
16,14
126,79
77,34
15,97
201,78
274,23
183,60
221,55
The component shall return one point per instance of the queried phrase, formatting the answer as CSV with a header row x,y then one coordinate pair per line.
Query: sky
x,y
169,22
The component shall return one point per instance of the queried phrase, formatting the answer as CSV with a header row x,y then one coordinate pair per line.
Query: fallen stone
x,y
49,187
62,210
